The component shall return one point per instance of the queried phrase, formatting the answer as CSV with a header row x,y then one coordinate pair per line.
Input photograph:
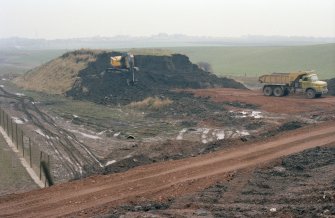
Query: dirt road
x,y
97,194
289,105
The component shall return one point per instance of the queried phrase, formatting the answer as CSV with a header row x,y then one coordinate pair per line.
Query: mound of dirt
x,y
82,74
331,86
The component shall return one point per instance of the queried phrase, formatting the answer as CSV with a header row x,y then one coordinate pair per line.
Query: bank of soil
x,y
244,174
83,74
300,185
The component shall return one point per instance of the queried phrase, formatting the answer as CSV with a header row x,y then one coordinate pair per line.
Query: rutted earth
x,y
230,120
170,181
293,104
182,144
300,185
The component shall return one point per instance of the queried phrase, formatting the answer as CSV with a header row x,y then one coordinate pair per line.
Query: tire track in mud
x,y
74,155
96,193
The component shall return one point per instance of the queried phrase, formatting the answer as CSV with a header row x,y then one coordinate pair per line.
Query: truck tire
x,y
267,90
310,93
278,91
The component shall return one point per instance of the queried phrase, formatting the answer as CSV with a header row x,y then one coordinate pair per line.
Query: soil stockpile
x,y
331,86
82,74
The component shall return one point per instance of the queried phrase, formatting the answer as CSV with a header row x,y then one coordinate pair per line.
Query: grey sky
x,y
223,18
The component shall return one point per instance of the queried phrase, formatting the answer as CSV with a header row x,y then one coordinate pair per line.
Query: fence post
x,y
16,136
48,164
30,158
1,116
11,128
7,123
40,165
22,142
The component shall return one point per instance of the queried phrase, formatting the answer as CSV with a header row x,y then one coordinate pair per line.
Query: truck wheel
x,y
278,91
310,93
267,91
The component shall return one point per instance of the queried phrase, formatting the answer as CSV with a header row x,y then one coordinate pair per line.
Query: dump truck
x,y
282,84
123,63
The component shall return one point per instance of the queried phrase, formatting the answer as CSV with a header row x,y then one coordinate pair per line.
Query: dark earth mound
x,y
157,75
331,86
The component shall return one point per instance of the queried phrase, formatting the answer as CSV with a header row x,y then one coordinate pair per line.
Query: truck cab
x,y
312,86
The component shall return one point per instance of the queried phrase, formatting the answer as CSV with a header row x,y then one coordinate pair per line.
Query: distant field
x,y
19,61
250,61
253,61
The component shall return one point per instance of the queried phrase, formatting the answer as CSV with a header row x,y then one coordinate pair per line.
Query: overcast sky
x,y
222,18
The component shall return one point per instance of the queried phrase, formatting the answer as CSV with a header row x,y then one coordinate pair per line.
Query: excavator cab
x,y
124,63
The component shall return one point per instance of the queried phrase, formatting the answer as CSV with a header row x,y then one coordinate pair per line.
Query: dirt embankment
x,y
300,185
165,181
82,74
157,75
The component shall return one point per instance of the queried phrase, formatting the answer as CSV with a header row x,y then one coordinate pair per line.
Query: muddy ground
x,y
176,150
126,130
180,183
300,185
120,137
123,130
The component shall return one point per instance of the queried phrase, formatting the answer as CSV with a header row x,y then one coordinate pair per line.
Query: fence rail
x,y
29,150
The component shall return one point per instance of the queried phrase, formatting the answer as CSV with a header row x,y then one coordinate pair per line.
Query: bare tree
x,y
205,66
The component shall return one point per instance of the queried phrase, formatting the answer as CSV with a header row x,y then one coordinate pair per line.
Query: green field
x,y
20,61
254,61
230,61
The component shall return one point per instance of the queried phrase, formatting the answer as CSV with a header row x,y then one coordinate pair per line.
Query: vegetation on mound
x,y
57,76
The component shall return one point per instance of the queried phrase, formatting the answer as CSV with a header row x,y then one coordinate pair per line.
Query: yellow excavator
x,y
124,63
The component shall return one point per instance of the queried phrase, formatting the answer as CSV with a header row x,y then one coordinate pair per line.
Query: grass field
x,y
19,61
250,61
254,61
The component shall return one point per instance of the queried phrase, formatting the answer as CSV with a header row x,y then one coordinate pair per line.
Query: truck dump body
x,y
275,79
280,78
